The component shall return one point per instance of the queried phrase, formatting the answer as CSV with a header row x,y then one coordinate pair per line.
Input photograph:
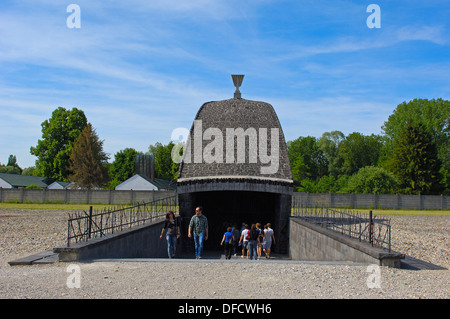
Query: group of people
x,y
252,239
198,229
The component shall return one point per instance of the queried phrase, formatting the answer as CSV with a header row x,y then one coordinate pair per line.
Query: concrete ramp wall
x,y
137,242
308,241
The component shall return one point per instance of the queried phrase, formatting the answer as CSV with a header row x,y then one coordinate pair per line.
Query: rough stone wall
x,y
237,113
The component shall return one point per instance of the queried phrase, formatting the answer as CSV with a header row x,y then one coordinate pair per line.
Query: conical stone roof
x,y
214,149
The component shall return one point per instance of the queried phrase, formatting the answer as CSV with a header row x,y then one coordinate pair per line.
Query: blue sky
x,y
139,69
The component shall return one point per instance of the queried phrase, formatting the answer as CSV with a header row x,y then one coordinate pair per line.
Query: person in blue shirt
x,y
228,240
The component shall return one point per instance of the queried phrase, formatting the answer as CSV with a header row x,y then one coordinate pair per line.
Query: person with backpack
x,y
260,240
252,237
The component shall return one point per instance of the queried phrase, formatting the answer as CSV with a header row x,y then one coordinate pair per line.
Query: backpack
x,y
252,234
261,236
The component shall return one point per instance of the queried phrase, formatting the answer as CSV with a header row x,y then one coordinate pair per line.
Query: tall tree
x,y
329,145
11,167
12,161
307,160
433,114
58,136
123,166
88,160
414,161
358,151
165,168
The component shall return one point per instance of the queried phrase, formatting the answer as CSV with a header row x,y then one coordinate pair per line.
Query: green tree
x,y
324,184
32,186
123,166
372,180
358,150
31,171
445,182
11,167
329,145
87,160
307,160
165,168
12,161
58,136
307,186
415,162
433,114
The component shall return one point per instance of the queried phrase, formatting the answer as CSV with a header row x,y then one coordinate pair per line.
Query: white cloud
x,y
317,116
435,34
141,68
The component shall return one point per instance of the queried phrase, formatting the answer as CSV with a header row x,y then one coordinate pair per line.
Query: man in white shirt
x,y
244,240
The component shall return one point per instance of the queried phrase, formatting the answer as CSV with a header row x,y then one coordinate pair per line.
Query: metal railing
x,y
355,224
83,225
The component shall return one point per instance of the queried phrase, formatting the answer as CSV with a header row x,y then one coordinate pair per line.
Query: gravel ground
x,y
25,232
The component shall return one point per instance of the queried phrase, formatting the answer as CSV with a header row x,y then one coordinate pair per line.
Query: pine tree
x,y
87,160
415,162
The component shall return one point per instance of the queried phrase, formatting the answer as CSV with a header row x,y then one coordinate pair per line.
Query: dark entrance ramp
x,y
228,208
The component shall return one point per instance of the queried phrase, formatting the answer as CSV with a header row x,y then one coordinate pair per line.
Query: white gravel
x,y
25,232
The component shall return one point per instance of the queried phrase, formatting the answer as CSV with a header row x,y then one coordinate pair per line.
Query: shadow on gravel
x,y
411,263
216,254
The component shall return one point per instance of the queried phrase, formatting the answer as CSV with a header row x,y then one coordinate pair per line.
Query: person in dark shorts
x,y
227,240
244,241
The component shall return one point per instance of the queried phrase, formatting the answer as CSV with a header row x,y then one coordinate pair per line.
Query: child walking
x,y
227,239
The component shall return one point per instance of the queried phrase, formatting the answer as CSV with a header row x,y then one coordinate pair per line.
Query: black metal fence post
x,y
68,231
90,222
370,228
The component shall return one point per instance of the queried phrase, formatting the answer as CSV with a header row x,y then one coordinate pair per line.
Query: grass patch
x,y
407,212
85,207
61,206
400,212
53,206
